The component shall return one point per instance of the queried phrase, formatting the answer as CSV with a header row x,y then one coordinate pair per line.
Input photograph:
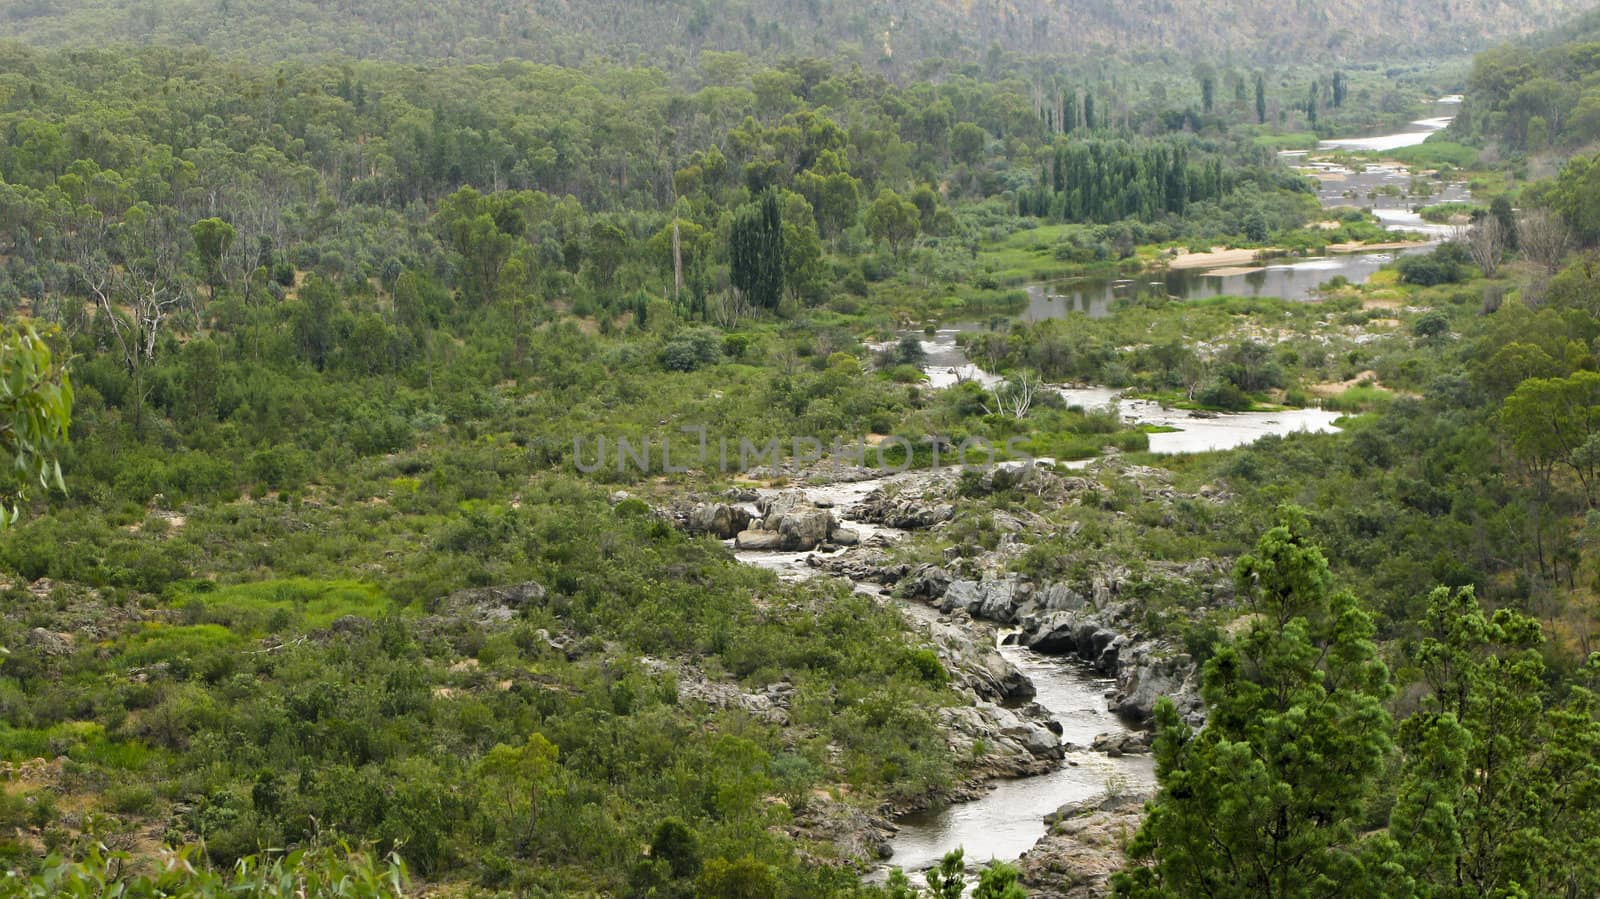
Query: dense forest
x,y
1540,95
306,586
880,35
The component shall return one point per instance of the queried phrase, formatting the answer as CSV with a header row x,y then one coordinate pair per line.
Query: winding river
x,y
1389,189
1008,820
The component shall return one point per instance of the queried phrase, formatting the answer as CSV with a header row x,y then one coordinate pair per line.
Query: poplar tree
x,y
755,251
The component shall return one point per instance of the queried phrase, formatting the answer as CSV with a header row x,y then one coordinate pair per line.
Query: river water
x,y
1288,278
1008,820
1413,134
1393,192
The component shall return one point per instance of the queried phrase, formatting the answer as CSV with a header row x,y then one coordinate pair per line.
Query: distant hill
x,y
892,34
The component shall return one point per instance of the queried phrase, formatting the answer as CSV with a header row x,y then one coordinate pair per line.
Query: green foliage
x,y
1105,181
35,412
302,603
893,220
344,874
1532,94
1575,196
1435,153
1448,264
998,880
1499,784
755,251
1268,798
949,879
691,350
1551,423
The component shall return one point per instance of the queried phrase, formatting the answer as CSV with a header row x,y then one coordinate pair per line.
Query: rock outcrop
x,y
1090,619
720,520
908,512
790,523
769,704
1085,845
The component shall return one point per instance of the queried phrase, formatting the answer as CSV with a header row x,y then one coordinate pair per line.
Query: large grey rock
x,y
908,513
993,600
1010,475
801,529
1085,845
491,605
927,583
775,507
717,519
1060,598
49,643
1122,743
1149,675
770,541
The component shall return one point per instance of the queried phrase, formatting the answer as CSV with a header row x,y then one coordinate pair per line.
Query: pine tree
x,y
1261,99
1266,799
1500,795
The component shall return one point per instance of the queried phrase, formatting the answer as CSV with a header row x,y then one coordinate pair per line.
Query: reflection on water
x,y
1290,279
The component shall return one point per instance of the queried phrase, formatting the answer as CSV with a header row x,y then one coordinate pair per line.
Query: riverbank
x,y
1240,261
1033,732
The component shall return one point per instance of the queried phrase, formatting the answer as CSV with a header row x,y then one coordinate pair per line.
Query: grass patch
x,y
1444,212
1435,154
81,741
1361,398
273,606
1296,140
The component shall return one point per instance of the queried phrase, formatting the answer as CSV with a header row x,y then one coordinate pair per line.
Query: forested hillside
x,y
892,35
1539,96
310,583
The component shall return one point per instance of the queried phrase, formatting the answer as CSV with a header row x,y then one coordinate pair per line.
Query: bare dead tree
x,y
728,307
1544,238
1014,398
1194,370
133,273
1486,241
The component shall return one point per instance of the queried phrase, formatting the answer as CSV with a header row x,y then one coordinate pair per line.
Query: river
x,y
1415,133
1390,190
1009,819
1196,431
1288,278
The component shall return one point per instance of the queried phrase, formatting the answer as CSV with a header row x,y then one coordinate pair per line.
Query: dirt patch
x,y
1380,303
1334,388
1213,259
1357,247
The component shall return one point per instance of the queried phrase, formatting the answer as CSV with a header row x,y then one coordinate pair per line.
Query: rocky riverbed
x,y
987,625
